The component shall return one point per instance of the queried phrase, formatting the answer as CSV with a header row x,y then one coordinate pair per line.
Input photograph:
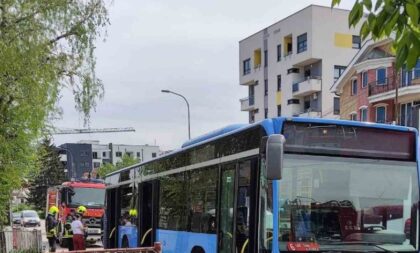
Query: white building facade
x,y
289,67
142,152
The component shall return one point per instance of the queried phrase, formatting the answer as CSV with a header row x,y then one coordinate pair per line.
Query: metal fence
x,y
157,248
18,239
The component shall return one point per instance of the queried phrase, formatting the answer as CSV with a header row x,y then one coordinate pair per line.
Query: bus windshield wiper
x,y
377,245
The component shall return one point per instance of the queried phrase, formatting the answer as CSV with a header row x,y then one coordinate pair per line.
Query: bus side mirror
x,y
274,156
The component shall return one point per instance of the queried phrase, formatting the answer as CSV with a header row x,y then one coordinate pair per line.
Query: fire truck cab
x,y
89,193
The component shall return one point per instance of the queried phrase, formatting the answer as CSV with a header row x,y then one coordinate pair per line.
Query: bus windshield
x,y
337,202
88,197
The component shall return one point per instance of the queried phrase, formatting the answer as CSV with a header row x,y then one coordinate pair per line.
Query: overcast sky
x,y
187,46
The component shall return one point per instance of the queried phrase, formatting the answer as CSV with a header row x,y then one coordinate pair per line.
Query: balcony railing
x,y
389,84
307,86
247,103
381,86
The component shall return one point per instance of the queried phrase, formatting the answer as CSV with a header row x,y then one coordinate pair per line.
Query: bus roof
x,y
270,126
348,123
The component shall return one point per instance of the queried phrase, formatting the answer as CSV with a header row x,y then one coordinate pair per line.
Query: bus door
x,y
111,219
237,209
148,212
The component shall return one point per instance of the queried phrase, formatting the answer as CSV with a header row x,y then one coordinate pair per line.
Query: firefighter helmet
x,y
53,210
81,209
133,212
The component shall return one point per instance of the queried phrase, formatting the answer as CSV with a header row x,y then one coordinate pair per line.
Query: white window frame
x,y
361,108
367,79
386,74
376,112
353,114
352,90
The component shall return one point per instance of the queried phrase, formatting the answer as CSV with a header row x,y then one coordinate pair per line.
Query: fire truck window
x,y
63,195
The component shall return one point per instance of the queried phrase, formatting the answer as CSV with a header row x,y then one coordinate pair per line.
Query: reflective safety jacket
x,y
68,232
51,226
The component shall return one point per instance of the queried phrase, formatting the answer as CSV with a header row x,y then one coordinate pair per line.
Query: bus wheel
x,y
197,249
124,243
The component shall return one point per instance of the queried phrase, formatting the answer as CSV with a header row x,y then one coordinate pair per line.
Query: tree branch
x,y
72,30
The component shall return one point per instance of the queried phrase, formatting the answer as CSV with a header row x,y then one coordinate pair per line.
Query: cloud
x,y
190,47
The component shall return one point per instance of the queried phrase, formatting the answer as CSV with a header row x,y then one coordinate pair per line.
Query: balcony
x,y
385,89
310,114
310,85
247,104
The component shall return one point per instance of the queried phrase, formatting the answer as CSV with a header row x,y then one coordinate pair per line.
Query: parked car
x,y
30,218
16,217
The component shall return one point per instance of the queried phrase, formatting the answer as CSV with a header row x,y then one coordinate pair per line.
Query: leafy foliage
x,y
49,173
45,46
109,167
398,19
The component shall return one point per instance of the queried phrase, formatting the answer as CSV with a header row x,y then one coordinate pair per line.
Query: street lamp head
x,y
165,91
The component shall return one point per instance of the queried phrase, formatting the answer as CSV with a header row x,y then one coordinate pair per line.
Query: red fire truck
x,y
89,193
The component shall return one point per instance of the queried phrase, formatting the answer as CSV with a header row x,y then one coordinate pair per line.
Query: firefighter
x,y
133,216
51,227
68,232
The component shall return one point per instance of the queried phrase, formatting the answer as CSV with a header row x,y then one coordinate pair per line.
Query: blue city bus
x,y
283,184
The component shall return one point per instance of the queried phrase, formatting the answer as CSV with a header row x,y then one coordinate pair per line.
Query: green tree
x,y
399,18
49,173
45,46
109,167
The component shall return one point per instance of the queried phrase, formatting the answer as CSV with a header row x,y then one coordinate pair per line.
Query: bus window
x,y
172,203
202,194
243,207
266,211
126,198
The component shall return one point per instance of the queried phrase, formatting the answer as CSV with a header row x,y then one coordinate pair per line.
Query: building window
x,y
251,95
406,114
356,42
265,87
103,154
292,70
293,101
118,154
381,76
265,58
153,154
279,110
96,165
354,87
302,44
381,114
279,83
364,79
138,154
363,114
353,116
247,66
95,155
337,106
266,113
279,52
338,70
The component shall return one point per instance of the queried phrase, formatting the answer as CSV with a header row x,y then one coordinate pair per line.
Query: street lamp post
x,y
188,109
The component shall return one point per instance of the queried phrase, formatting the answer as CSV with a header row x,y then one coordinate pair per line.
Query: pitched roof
x,y
368,51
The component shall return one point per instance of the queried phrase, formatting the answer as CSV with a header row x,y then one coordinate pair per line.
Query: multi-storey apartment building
x,y
372,89
289,67
88,155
